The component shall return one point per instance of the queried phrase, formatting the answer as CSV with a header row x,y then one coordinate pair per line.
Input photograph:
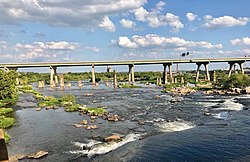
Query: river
x,y
153,128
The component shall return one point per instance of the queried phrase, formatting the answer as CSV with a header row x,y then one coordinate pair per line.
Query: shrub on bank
x,y
6,122
4,111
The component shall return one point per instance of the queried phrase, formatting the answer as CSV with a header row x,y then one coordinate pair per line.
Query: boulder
x,y
115,137
113,118
38,109
207,113
38,154
84,122
77,125
247,90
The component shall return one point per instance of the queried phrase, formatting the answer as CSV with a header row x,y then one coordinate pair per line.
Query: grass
x,y
72,108
4,111
95,111
6,137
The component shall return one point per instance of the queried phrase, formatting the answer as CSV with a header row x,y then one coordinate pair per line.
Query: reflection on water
x,y
168,131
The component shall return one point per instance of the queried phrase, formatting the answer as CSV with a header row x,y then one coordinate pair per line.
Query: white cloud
x,y
243,41
125,42
154,41
224,21
95,49
155,19
107,24
80,13
127,23
190,16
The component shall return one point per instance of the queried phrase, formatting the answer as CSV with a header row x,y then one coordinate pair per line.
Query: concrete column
x,y
182,80
241,67
62,81
165,74
52,74
115,79
175,80
131,74
231,64
93,74
207,72
3,148
171,79
197,72
109,69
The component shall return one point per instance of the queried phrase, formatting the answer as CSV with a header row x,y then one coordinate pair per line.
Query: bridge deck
x,y
124,62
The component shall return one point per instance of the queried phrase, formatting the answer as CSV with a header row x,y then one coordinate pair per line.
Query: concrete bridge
x,y
131,63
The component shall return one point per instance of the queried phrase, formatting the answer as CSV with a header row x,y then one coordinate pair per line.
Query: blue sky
x,y
84,30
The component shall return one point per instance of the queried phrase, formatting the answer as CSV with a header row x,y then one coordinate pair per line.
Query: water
x,y
170,131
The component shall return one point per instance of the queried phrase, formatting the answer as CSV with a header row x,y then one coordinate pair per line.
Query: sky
x,y
111,30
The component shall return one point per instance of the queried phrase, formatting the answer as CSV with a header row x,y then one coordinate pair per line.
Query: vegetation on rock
x,y
4,111
6,122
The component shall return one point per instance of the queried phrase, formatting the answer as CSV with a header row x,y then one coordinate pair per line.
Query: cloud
x,y
80,13
127,23
44,49
243,41
107,25
224,21
39,34
95,49
153,41
191,17
155,19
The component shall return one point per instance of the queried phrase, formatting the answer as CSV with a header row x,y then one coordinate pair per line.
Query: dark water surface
x,y
172,131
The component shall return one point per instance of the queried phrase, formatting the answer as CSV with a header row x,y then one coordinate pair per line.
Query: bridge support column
x,y
131,74
109,69
232,64
3,148
197,72
115,79
52,75
171,79
241,67
165,74
93,74
207,72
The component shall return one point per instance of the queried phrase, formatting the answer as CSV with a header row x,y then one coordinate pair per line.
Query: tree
x,y
8,88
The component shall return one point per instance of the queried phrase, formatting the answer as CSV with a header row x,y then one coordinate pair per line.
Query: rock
x,y
88,94
207,113
247,90
84,122
113,118
77,125
38,109
13,159
157,96
91,127
94,101
38,154
141,122
115,137
92,120
20,156
93,117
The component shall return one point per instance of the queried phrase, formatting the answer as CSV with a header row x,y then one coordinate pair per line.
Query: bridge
x,y
131,63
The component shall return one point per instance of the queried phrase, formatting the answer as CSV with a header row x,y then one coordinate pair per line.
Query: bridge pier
x,y
171,79
93,74
232,64
109,70
115,80
207,76
165,74
53,74
131,74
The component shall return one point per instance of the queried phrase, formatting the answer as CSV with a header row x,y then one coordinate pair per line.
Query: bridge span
x,y
131,63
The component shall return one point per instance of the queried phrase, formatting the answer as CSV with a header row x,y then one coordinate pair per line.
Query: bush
x,y
4,111
67,98
6,122
6,137
236,81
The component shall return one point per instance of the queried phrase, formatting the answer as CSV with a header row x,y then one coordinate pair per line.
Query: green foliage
x,y
6,122
68,98
167,87
72,108
6,137
4,111
95,111
236,81
8,88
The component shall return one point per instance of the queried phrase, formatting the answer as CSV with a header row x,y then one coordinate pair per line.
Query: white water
x,y
97,148
222,115
174,126
230,105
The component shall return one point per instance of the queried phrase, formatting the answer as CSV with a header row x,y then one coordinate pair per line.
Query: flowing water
x,y
154,128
